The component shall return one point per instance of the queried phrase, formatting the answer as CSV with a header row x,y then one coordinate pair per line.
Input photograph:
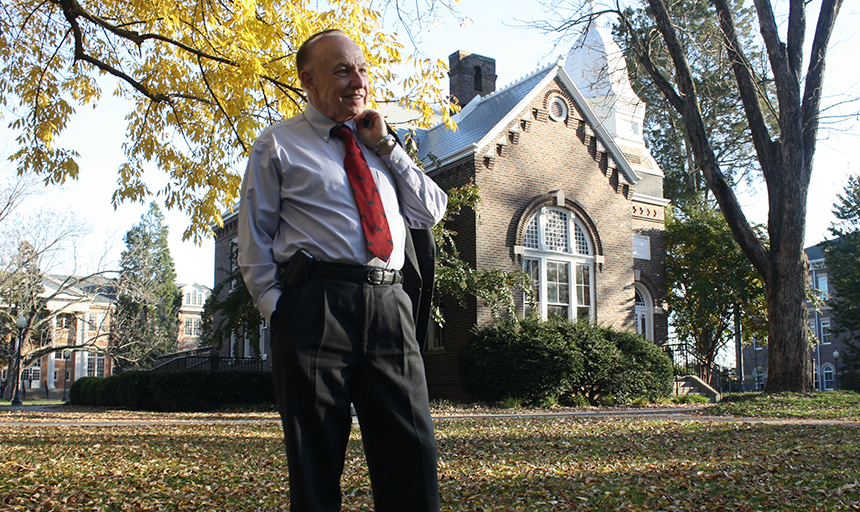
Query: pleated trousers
x,y
336,342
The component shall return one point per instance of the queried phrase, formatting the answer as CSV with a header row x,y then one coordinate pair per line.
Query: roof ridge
x,y
469,107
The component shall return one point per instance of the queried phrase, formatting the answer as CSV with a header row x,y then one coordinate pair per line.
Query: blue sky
x,y
98,134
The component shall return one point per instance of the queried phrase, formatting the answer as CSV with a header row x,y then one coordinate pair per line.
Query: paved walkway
x,y
41,416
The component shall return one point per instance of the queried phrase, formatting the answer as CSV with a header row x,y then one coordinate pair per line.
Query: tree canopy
x,y
784,150
203,78
722,113
709,279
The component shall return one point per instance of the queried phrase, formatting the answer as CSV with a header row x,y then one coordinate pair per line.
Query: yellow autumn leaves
x,y
202,80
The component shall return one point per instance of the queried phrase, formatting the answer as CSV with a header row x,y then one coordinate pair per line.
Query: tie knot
x,y
341,131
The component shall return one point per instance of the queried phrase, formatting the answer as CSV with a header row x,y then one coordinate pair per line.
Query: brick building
x,y
569,193
194,295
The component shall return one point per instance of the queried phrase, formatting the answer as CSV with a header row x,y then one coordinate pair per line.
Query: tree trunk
x,y
789,367
786,163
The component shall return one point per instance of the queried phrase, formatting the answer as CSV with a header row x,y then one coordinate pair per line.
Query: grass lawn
x,y
830,405
192,462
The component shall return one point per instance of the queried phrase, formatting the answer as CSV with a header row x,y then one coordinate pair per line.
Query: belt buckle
x,y
376,276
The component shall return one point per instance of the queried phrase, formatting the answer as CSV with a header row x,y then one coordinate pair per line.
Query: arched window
x,y
559,258
644,309
479,80
828,377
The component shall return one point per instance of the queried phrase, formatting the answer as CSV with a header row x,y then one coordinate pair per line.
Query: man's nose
x,y
358,79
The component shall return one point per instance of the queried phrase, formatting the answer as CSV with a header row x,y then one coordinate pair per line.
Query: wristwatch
x,y
386,142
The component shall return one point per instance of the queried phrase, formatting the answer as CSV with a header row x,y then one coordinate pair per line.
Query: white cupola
x,y
597,66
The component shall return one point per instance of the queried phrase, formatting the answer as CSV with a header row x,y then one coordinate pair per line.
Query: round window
x,y
558,109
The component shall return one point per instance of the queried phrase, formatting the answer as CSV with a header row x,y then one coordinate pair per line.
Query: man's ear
x,y
307,79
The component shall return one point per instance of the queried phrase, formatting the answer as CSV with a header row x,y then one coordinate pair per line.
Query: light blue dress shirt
x,y
296,195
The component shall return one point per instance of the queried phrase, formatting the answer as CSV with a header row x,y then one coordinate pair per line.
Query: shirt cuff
x,y
268,303
398,160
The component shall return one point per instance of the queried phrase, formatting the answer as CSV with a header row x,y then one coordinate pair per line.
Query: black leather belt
x,y
372,275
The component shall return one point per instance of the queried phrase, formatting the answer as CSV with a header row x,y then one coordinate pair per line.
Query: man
x,y
322,261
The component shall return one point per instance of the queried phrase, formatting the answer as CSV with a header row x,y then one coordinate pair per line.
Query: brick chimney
x,y
470,75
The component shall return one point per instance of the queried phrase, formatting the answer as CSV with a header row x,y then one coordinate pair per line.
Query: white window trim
x,y
642,247
825,340
572,258
828,369
647,310
562,104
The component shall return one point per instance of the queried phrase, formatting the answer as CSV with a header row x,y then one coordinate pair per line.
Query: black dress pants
x,y
337,342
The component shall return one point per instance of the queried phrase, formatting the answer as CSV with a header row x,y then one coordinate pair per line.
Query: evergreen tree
x,y
145,321
842,257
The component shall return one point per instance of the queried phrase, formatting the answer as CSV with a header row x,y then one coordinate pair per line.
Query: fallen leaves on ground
x,y
485,464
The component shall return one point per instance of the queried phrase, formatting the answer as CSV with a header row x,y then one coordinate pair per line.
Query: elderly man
x,y
327,204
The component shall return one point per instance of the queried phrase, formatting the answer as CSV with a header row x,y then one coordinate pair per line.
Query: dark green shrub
x,y
563,362
174,391
77,392
132,390
105,392
644,369
524,360
180,391
89,390
599,358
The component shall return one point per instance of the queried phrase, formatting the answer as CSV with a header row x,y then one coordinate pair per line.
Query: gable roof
x,y
479,117
483,119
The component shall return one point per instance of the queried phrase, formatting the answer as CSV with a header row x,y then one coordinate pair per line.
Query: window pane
x,y
556,235
531,237
532,268
641,323
581,241
583,285
552,292
583,313
558,288
552,311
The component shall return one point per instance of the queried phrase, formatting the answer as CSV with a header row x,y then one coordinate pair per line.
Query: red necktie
x,y
373,220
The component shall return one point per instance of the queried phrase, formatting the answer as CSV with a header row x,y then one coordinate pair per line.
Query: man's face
x,y
335,78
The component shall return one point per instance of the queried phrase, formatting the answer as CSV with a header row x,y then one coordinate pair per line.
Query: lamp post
x,y
836,370
21,322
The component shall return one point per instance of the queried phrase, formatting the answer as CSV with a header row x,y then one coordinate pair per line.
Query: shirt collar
x,y
321,123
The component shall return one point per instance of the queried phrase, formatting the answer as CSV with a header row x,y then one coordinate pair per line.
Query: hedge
x,y
557,360
182,391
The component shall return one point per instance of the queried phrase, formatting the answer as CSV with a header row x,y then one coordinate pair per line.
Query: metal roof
x,y
479,119
484,117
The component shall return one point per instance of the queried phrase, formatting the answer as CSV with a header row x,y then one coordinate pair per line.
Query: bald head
x,y
333,72
304,55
